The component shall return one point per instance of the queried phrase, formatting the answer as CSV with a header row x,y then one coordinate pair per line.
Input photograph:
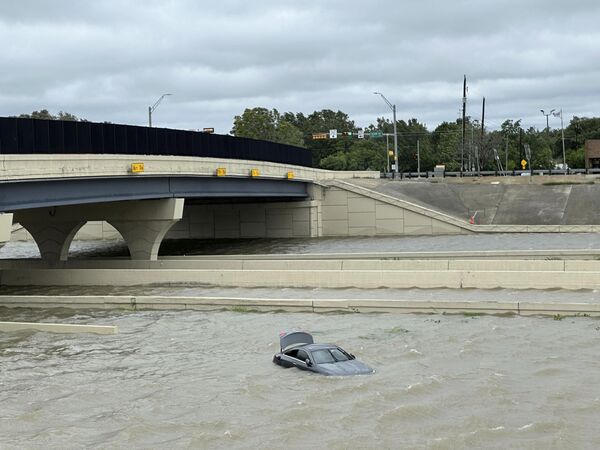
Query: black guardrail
x,y
491,173
26,136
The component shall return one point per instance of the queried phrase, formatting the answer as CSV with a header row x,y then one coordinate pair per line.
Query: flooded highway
x,y
189,247
193,379
205,380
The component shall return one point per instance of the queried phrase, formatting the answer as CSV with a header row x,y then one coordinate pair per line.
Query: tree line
x,y
483,149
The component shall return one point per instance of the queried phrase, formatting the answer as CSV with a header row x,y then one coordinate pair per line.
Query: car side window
x,y
302,355
292,353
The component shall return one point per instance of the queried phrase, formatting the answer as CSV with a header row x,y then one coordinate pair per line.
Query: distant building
x,y
592,154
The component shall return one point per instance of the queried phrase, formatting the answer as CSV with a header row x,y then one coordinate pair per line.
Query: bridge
x,y
55,176
151,184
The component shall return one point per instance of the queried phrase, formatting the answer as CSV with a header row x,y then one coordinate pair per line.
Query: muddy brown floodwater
x,y
191,379
206,380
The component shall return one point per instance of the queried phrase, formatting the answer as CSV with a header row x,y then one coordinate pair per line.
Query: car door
x,y
301,358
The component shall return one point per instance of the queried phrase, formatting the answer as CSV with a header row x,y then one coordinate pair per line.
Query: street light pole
x,y
153,107
547,124
393,108
562,133
387,150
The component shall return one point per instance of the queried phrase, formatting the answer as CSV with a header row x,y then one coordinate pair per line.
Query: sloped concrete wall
x,y
349,210
501,204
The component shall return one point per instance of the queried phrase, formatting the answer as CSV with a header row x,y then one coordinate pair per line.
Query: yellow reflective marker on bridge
x,y
254,173
137,167
290,175
221,172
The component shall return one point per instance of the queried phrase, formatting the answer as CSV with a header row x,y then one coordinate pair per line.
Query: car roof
x,y
319,346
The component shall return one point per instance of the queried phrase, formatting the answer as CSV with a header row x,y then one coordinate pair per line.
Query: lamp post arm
x,y
385,100
153,107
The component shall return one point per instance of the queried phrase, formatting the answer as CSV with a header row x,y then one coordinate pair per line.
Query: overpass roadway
x,y
43,180
54,195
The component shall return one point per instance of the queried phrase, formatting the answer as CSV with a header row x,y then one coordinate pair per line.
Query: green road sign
x,y
376,134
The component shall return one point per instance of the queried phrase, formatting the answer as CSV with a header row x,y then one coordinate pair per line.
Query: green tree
x,y
541,149
364,154
46,115
510,133
446,142
41,114
68,116
321,122
336,161
267,125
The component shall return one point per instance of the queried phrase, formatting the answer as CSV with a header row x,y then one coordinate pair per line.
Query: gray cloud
x,y
108,60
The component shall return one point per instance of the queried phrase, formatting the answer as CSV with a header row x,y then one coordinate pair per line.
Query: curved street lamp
x,y
547,125
393,108
153,107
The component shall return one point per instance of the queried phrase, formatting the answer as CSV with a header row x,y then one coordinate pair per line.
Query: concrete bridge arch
x,y
142,224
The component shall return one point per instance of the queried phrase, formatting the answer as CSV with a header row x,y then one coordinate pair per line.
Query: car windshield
x,y
331,355
322,357
339,354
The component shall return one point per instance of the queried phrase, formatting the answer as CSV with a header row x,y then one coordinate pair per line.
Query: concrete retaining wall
x,y
454,274
352,210
256,220
241,304
5,227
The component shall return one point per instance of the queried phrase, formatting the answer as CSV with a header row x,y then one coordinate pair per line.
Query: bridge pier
x,y
143,237
53,237
142,223
5,228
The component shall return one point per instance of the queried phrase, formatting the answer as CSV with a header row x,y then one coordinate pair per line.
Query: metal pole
x,y
418,160
562,132
482,136
547,123
506,154
395,142
153,107
464,108
387,150
393,108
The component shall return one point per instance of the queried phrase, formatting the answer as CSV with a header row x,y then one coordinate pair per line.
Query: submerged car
x,y
298,349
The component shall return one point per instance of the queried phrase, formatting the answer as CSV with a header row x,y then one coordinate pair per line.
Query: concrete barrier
x,y
246,304
57,327
421,274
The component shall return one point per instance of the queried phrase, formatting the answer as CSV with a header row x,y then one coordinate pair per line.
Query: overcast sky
x,y
110,59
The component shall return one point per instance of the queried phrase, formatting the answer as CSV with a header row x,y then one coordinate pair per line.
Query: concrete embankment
x,y
569,201
248,304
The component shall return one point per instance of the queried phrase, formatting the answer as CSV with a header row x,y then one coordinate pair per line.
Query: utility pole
x,y
482,134
418,160
464,110
506,154
520,144
387,150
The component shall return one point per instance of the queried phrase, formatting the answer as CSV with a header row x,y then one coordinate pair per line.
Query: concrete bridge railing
x,y
47,166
